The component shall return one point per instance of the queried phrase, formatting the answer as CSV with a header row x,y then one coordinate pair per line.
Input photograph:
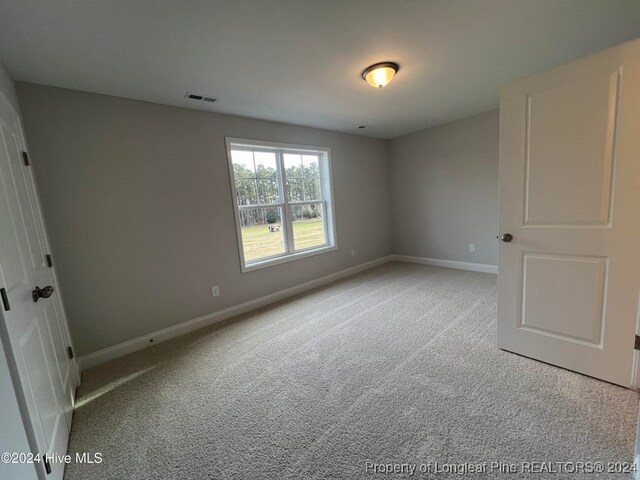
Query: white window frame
x,y
279,149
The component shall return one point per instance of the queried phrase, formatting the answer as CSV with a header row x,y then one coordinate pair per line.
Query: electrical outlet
x,y
472,247
215,291
353,252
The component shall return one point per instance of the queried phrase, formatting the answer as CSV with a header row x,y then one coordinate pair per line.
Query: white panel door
x,y
36,330
569,279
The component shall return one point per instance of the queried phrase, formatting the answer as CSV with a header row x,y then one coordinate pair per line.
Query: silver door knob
x,y
506,237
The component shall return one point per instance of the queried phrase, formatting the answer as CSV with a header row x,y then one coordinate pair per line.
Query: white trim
x,y
289,257
635,378
636,458
290,254
101,356
474,267
268,146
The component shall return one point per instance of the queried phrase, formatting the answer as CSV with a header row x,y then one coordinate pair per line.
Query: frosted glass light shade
x,y
380,74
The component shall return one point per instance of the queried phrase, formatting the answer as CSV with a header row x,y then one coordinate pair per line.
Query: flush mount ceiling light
x,y
380,74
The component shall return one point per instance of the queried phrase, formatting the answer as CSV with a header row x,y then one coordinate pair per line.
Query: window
x,y
282,200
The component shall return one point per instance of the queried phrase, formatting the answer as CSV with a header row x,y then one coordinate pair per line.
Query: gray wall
x,y
444,184
137,202
7,87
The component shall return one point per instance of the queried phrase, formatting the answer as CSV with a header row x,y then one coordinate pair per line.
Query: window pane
x,y
267,191
308,225
311,165
312,188
262,233
256,177
245,189
265,164
244,175
295,189
244,159
292,165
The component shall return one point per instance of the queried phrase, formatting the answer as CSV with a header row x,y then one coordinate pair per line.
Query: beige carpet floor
x,y
396,365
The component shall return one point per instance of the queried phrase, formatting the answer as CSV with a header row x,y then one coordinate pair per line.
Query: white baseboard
x,y
474,267
101,356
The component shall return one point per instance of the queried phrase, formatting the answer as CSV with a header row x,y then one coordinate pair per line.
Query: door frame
x,y
636,365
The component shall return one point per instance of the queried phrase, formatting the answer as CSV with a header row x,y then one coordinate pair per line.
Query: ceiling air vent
x,y
201,98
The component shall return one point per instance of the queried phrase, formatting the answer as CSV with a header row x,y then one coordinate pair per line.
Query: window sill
x,y
287,258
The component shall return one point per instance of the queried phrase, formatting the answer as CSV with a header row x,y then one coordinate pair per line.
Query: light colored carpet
x,y
397,364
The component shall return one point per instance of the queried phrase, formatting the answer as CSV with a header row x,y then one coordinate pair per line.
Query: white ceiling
x,y
299,61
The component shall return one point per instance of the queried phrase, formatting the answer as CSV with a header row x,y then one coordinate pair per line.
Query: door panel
x,y
569,282
42,390
59,356
13,267
25,205
569,148
36,330
52,313
563,296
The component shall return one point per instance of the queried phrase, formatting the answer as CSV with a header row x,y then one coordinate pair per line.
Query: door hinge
x,y
25,158
70,352
47,465
636,345
5,299
49,260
